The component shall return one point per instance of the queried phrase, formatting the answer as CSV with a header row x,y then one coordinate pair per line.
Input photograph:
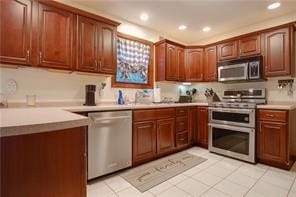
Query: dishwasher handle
x,y
98,120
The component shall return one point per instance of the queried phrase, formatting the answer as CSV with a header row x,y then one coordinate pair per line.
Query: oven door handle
x,y
234,128
231,110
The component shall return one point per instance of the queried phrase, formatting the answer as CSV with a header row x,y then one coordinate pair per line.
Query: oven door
x,y
232,116
233,72
237,142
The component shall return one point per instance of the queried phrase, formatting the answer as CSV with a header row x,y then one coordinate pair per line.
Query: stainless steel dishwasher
x,y
109,142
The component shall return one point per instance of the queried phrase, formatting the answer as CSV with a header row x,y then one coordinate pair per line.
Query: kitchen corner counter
x,y
278,106
18,121
24,120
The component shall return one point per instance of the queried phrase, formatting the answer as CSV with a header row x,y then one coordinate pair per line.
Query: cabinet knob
x,y
40,57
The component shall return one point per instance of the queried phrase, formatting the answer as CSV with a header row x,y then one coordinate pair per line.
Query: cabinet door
x,y
192,124
250,46
202,130
107,48
144,141
171,72
165,135
227,51
210,64
181,64
15,31
277,53
273,142
55,37
87,45
194,65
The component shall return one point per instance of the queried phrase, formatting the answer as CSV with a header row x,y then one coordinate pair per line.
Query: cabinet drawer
x,y
181,139
153,114
181,111
181,124
273,115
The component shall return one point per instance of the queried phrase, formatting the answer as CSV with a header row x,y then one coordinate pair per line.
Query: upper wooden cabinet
x,y
96,46
55,38
170,61
228,50
52,35
250,45
87,44
171,69
278,52
210,64
107,48
194,64
15,31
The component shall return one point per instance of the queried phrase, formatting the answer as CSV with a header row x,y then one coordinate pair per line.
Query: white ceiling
x,y
165,16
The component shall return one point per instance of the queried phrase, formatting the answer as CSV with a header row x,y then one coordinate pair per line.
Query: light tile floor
x,y
217,177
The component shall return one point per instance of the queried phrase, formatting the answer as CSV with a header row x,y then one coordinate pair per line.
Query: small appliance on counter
x,y
188,97
90,97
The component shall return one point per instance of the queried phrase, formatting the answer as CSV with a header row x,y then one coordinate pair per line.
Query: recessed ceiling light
x,y
206,29
274,5
144,17
182,27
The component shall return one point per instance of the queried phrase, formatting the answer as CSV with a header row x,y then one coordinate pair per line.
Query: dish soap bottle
x,y
120,98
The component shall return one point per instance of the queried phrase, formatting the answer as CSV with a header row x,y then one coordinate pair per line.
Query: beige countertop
x,y
25,120
278,106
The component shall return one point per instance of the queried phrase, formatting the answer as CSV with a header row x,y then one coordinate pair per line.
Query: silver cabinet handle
x,y
110,118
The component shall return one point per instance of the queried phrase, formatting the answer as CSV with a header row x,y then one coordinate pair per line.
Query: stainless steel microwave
x,y
243,69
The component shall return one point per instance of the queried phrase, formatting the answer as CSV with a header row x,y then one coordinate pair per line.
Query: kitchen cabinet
x,y
165,135
228,51
96,46
87,44
202,130
250,45
169,61
171,71
107,48
210,64
194,64
278,52
44,164
274,137
144,141
55,37
15,32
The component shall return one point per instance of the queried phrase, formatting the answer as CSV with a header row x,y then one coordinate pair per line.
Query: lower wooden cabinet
x,y
202,130
274,130
165,135
144,141
44,164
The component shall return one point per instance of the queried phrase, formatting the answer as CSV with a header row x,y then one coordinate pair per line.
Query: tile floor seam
x,y
184,191
290,189
113,189
257,181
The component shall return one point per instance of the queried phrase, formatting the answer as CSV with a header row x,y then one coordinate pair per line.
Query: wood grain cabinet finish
x,y
210,64
107,48
15,32
278,52
144,141
273,142
87,45
194,65
165,135
181,64
276,131
202,130
171,72
249,46
55,38
228,51
44,164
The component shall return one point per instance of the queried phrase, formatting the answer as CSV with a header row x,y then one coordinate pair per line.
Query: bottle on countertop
x,y
120,98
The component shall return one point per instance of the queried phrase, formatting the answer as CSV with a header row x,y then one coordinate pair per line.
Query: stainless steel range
x,y
232,123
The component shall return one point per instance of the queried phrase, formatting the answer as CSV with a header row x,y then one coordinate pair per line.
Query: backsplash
x,y
60,87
